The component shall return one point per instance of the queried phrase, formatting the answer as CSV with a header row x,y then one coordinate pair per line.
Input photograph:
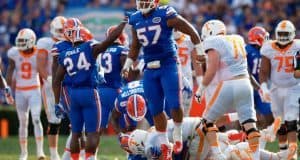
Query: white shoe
x,y
23,156
269,134
41,156
54,157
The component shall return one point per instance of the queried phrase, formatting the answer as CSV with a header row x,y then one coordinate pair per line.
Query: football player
x,y
44,63
152,28
23,60
111,62
140,142
187,54
256,37
226,84
277,66
79,64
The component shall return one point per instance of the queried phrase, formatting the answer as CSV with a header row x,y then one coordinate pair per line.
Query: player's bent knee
x,y
291,126
53,129
282,130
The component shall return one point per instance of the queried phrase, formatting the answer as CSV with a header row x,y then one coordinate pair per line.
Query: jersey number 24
x,y
82,63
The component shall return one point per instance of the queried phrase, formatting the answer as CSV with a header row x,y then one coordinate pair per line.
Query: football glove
x,y
8,96
200,92
264,93
60,111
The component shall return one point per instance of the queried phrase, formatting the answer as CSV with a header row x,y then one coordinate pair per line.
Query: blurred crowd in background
x,y
238,15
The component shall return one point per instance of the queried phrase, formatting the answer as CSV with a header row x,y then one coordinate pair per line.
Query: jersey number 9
x,y
26,70
81,64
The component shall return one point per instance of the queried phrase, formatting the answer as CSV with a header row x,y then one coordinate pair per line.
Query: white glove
x,y
200,92
264,93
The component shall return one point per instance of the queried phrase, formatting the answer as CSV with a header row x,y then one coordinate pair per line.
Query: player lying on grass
x,y
196,146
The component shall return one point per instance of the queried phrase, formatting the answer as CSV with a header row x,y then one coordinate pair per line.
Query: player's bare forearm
x,y
114,120
254,82
101,47
54,67
212,66
10,71
42,63
197,66
265,70
184,26
135,46
56,85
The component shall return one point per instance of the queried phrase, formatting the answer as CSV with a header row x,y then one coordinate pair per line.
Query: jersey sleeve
x,y
93,42
117,106
44,43
297,60
125,51
170,12
265,50
54,51
212,43
12,53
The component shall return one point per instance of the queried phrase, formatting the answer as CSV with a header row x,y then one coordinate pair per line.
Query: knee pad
x,y
248,121
209,127
53,129
291,126
282,130
36,121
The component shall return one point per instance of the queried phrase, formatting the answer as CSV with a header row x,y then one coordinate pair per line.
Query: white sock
x,y
82,154
162,137
66,155
39,145
23,145
177,133
53,152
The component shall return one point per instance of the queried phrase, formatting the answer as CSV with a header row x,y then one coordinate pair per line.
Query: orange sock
x,y
88,154
75,156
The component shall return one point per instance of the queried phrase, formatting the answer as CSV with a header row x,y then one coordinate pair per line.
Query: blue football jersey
x,y
58,48
110,63
134,87
154,34
80,65
254,60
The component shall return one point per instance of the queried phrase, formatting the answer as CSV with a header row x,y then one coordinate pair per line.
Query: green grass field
x,y
109,149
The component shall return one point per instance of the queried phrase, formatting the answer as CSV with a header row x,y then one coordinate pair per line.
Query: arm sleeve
x,y
170,12
11,53
212,43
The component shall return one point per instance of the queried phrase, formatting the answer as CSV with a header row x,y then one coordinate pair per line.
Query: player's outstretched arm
x,y
10,71
101,47
133,53
184,26
56,84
